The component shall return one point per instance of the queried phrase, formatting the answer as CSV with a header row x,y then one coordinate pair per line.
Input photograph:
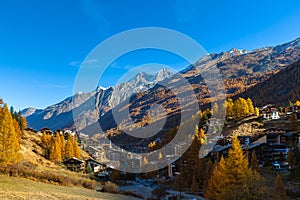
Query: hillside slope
x,y
13,188
278,89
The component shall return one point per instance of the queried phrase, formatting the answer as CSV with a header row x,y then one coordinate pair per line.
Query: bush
x,y
46,177
110,187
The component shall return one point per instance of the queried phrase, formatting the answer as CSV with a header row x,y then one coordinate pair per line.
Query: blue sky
x,y
42,43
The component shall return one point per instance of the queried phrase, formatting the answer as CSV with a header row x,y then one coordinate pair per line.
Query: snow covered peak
x,y
100,88
163,74
235,51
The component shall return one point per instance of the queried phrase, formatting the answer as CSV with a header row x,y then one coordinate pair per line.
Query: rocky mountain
x,y
240,71
84,109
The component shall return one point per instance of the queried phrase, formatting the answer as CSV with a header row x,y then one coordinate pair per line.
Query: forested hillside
x,y
278,89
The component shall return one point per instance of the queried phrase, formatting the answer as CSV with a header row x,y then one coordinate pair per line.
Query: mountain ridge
x,y
240,70
85,108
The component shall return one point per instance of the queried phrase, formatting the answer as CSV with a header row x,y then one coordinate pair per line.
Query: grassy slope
x,y
20,188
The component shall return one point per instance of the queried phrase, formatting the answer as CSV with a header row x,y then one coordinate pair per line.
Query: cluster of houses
x,y
270,111
273,145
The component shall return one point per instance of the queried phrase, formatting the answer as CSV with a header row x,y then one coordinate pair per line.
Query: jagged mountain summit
x,y
83,109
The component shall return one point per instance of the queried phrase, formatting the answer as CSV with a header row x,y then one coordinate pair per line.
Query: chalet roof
x,y
94,161
268,106
219,148
257,144
76,160
46,129
274,129
291,133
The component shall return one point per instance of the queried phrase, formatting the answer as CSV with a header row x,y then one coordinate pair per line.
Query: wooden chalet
x,y
277,136
46,130
95,166
269,112
263,151
293,110
74,164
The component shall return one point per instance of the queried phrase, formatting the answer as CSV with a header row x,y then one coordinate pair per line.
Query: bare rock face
x,y
83,109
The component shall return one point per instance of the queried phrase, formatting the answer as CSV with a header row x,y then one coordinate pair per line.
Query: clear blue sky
x,y
43,42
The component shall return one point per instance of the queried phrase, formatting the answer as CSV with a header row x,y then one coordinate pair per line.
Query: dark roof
x,y
93,161
257,144
73,160
219,148
45,129
274,129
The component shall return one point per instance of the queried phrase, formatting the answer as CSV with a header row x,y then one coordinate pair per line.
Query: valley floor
x,y
20,188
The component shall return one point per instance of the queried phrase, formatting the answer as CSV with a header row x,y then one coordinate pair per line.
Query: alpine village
x,y
119,100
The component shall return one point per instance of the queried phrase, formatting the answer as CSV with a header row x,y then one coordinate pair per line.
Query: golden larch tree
x,y
76,148
256,111
250,106
69,148
9,141
55,150
279,188
233,179
236,164
229,108
217,182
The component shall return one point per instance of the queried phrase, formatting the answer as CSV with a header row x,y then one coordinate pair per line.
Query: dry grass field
x,y
20,188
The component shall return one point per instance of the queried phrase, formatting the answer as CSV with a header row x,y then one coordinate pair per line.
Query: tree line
x,y
57,147
240,108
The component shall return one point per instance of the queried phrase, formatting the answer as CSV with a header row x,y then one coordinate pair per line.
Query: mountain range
x,y
243,74
85,108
